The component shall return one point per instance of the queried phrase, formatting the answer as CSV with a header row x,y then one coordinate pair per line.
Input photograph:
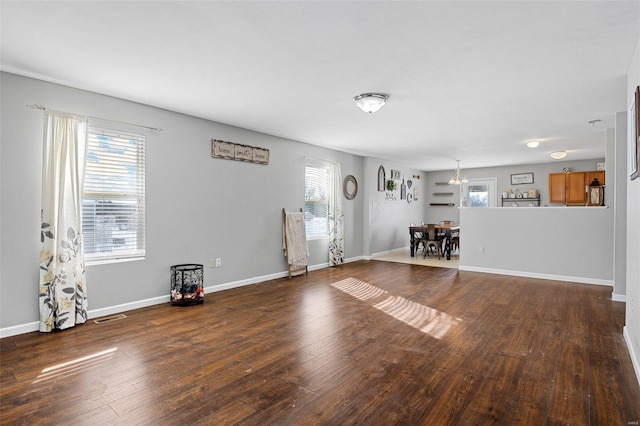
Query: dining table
x,y
447,229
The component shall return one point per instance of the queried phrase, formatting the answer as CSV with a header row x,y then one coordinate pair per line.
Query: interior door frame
x,y
492,197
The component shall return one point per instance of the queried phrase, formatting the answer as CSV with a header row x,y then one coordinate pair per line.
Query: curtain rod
x,y
42,108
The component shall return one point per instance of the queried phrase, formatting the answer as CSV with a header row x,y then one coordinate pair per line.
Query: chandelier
x,y
457,180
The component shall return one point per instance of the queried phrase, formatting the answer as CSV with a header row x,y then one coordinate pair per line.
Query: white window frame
x,y
490,183
316,199
113,197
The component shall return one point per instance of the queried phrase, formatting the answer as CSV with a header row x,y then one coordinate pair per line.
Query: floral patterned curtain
x,y
336,217
62,295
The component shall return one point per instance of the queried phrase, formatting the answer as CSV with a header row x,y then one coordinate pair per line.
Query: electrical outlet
x,y
212,263
481,250
218,262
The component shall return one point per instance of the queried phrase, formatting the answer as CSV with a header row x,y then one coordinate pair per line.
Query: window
x,y
113,196
479,193
316,199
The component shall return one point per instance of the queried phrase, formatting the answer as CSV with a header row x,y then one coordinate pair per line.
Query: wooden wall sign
x,y
239,152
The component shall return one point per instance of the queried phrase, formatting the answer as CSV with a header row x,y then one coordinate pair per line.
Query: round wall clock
x,y
350,187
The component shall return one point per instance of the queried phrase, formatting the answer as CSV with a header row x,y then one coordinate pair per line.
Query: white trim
x,y
116,309
110,310
619,297
19,329
634,356
581,280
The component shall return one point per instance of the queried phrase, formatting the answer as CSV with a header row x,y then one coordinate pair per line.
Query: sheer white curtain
x,y
336,217
62,295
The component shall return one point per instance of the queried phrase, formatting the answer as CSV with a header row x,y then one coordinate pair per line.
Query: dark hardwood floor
x,y
366,343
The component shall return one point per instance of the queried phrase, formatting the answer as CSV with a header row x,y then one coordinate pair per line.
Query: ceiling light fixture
x,y
533,144
457,180
371,102
558,155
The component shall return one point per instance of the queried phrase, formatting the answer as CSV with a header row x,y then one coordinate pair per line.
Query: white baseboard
x,y
19,329
581,280
111,310
619,297
634,356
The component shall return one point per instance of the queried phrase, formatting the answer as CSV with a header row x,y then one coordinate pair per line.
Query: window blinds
x,y
113,202
316,200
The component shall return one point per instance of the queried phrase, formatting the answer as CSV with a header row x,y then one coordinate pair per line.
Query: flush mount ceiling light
x,y
558,155
457,180
370,102
533,144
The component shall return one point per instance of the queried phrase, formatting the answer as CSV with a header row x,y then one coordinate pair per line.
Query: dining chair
x,y
418,238
455,241
441,233
432,239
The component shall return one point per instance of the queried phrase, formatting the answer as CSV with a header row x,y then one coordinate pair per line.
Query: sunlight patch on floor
x,y
428,320
359,289
71,367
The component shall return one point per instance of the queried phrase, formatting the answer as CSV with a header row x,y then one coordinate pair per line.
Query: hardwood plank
x,y
300,351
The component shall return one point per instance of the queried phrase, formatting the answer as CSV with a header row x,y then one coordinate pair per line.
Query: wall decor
x,y
239,152
634,136
521,178
395,174
409,198
382,177
403,190
409,183
350,187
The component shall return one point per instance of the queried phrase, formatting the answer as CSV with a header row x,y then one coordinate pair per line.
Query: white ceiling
x,y
467,80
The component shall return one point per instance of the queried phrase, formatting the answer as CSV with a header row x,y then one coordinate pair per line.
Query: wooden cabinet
x,y
556,187
569,188
599,174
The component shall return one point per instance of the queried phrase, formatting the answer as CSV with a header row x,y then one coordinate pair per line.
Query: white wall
x,y
197,208
561,243
619,176
632,327
387,220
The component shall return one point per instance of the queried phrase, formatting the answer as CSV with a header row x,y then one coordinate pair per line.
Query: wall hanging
x,y
239,152
634,136
521,178
350,187
381,179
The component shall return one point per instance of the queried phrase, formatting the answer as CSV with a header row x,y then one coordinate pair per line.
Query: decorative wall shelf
x,y
442,204
442,183
442,193
533,200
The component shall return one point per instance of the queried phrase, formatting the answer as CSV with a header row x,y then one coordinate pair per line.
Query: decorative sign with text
x,y
238,152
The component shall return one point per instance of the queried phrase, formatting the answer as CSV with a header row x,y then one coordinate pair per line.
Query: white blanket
x,y
294,237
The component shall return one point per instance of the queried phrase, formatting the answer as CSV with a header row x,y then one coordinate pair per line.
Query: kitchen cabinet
x,y
569,188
